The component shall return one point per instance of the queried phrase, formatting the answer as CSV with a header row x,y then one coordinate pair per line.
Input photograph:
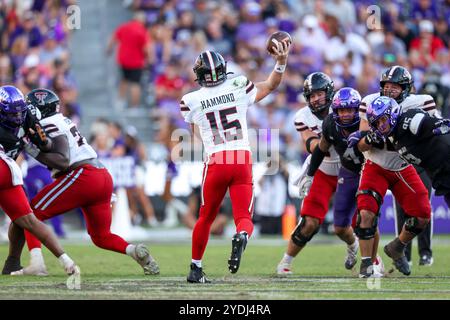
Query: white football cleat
x,y
284,268
352,255
143,257
32,270
378,266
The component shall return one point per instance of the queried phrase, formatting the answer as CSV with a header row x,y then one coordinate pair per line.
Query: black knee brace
x,y
412,226
366,233
298,238
378,198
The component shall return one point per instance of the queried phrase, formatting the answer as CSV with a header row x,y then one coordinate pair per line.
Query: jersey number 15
x,y
226,125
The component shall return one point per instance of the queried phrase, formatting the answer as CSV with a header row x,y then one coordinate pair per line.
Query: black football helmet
x,y
318,81
400,76
210,68
45,100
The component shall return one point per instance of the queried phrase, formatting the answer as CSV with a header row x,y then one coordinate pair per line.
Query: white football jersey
x,y
220,112
390,159
306,120
57,125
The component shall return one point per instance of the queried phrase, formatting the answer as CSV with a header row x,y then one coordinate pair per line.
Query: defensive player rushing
x,y
80,181
16,121
336,127
385,169
318,92
419,138
219,111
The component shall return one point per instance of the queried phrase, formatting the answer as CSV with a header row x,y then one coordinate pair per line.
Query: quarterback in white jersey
x,y
219,111
81,182
385,169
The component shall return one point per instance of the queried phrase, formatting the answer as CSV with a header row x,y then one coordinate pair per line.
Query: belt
x,y
93,162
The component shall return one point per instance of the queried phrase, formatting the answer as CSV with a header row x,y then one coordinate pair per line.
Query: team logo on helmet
x,y
40,96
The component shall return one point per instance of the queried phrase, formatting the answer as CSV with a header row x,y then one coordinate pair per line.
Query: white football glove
x,y
305,186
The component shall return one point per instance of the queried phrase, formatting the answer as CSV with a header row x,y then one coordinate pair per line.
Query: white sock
x,y
198,263
353,244
130,250
287,258
65,261
36,256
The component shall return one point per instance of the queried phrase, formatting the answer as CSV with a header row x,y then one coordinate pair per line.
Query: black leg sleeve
x,y
424,238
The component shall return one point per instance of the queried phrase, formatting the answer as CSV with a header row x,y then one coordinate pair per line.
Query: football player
x,y
80,181
419,138
318,92
218,112
336,128
385,169
14,117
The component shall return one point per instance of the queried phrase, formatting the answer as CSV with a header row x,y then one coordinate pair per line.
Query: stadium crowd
x,y
339,37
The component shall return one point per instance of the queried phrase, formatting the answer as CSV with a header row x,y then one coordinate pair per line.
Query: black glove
x,y
372,138
38,136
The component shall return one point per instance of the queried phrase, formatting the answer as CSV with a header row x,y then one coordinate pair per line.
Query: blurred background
x,y
121,71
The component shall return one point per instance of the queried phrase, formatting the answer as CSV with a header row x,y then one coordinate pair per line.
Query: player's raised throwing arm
x,y
274,79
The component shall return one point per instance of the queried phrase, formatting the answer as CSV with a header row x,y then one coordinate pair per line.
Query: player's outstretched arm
x,y
274,79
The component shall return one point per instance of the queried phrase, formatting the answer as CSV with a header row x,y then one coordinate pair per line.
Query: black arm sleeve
x,y
316,160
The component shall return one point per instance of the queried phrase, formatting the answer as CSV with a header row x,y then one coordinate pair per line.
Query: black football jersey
x,y
351,158
414,140
11,142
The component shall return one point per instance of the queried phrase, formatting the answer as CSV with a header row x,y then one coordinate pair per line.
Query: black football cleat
x,y
398,256
11,264
196,275
426,260
238,244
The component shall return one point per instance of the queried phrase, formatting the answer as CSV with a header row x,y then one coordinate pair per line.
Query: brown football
x,y
276,37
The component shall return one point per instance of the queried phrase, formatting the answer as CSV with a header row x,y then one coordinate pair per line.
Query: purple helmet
x,y
346,98
13,107
383,107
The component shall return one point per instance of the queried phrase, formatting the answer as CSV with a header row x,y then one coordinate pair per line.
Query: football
x,y
276,37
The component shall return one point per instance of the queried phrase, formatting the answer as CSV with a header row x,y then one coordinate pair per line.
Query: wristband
x,y
279,68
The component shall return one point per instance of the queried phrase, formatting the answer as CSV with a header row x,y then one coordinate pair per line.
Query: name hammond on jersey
x,y
217,100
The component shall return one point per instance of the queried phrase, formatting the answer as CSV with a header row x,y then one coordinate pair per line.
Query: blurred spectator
x,y
391,51
443,30
424,48
190,216
30,29
133,42
424,9
344,10
136,194
271,202
311,34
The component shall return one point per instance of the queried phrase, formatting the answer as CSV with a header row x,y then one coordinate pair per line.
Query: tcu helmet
x,y
13,108
383,107
318,81
400,76
210,68
343,99
45,100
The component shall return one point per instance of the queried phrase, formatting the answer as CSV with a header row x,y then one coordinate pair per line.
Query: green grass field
x,y
319,274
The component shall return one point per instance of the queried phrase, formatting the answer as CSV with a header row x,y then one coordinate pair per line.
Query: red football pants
x,y
224,170
89,188
317,201
406,186
12,198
